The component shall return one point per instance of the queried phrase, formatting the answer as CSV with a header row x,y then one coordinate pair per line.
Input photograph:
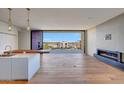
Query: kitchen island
x,y
19,66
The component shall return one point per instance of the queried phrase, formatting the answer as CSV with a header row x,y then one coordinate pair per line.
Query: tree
x,y
46,46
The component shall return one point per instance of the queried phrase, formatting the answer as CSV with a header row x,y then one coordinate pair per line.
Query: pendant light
x,y
9,20
28,19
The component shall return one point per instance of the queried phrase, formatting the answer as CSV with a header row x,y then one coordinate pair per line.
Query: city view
x,y
62,45
61,40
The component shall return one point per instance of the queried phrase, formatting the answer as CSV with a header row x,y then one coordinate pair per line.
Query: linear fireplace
x,y
113,58
113,55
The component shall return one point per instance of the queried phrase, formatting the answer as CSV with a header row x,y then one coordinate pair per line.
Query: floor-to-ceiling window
x,y
62,41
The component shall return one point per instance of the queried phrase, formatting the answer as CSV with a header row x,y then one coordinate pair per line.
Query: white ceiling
x,y
61,18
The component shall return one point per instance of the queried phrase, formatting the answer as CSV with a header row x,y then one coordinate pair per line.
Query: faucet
x,y
8,46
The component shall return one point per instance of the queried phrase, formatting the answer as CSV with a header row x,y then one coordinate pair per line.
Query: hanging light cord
x,y
28,18
10,20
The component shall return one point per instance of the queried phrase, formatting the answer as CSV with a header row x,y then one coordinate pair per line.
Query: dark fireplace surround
x,y
113,58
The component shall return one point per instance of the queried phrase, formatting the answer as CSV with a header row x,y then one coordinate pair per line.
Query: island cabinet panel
x,y
19,69
5,69
33,66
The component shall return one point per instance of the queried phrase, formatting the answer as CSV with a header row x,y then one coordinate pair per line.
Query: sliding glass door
x,y
62,41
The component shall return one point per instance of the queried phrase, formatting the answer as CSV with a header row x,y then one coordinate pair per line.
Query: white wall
x,y
82,40
24,40
115,27
91,41
8,37
109,27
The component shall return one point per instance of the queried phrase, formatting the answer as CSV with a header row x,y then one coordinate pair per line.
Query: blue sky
x,y
61,36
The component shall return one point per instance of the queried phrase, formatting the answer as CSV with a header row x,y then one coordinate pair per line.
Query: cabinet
x,y
5,69
19,67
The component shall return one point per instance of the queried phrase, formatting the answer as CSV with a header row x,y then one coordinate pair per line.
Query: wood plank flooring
x,y
73,69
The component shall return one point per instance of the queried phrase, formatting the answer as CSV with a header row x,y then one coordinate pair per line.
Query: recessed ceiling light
x,y
91,17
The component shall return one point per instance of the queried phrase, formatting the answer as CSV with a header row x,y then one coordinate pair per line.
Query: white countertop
x,y
24,55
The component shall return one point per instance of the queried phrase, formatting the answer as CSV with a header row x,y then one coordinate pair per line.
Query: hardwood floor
x,y
73,69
